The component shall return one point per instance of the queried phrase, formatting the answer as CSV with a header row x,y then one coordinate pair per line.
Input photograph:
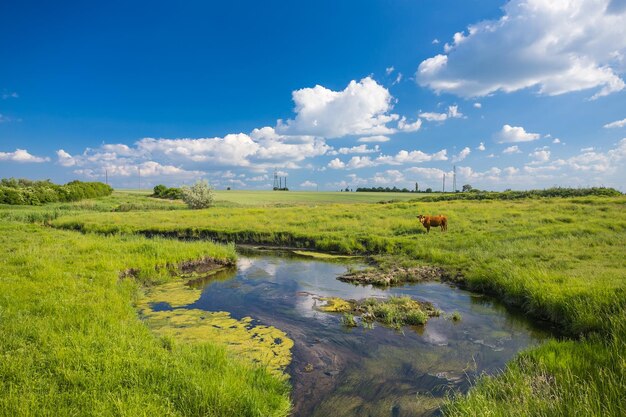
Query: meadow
x,y
559,260
71,342
290,198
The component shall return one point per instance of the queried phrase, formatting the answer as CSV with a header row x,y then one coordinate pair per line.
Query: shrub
x,y
198,196
173,194
26,192
12,196
161,191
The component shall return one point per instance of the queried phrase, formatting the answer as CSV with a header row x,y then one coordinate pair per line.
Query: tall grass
x,y
71,342
118,202
566,378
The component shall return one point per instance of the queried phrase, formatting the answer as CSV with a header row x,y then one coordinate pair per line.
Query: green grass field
x,y
71,342
558,259
273,198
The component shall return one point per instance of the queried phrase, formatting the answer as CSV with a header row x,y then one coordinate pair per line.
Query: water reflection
x,y
376,372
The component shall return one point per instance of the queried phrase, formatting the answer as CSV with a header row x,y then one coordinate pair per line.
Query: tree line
x,y
388,190
28,192
514,195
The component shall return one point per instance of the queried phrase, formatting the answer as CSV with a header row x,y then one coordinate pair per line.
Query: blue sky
x,y
519,94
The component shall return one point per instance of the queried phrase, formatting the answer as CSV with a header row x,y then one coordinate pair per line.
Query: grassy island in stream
x,y
394,311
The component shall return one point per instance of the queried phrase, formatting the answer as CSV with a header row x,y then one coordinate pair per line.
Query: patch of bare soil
x,y
396,275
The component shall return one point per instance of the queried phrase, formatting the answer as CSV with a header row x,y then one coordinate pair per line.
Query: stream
x,y
340,371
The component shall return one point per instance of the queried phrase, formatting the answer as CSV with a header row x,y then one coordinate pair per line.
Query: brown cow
x,y
427,221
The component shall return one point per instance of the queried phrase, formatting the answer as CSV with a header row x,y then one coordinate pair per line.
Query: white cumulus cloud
x,y
554,46
401,158
618,123
411,157
65,159
540,155
452,113
357,162
591,160
147,169
434,117
428,173
336,164
374,139
512,149
461,155
360,149
308,184
22,156
513,134
362,108
405,126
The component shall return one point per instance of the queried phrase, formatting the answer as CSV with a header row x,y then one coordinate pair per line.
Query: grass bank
x,y
557,259
71,342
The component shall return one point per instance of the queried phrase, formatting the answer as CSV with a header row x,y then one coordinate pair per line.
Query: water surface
x,y
337,371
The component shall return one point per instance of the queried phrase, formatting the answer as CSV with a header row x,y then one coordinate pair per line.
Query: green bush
x,y
27,192
161,191
11,196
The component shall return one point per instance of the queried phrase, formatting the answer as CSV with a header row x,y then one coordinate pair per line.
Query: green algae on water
x,y
321,255
259,344
336,305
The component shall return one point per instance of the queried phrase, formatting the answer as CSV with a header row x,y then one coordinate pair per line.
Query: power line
x,y
275,179
278,182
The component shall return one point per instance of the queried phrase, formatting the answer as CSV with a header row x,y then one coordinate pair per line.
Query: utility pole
x,y
106,177
454,179
444,183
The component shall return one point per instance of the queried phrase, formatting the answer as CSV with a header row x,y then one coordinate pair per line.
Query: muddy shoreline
x,y
399,275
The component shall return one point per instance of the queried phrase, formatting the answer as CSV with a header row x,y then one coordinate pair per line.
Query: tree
x,y
199,195
467,187
429,190
159,190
